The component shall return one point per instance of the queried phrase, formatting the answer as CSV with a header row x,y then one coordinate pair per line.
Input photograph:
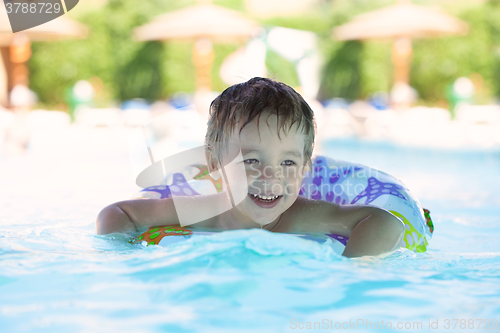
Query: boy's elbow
x,y
106,220
391,233
113,219
396,229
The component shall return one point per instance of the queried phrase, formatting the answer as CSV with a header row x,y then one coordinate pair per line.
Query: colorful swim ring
x,y
331,180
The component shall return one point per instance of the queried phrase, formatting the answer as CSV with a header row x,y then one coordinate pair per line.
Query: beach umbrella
x,y
203,24
400,22
59,28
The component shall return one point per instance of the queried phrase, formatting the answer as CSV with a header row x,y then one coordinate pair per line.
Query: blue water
x,y
57,275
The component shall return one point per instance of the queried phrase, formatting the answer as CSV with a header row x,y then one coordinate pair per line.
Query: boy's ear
x,y
307,167
211,162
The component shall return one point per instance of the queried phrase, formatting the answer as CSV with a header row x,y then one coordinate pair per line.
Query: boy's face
x,y
274,168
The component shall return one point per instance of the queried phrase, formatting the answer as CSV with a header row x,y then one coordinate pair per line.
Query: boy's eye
x,y
251,161
288,162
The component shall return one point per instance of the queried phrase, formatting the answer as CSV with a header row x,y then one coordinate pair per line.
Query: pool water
x,y
57,275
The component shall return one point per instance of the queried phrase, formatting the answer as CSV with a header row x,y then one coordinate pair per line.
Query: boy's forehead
x,y
265,127
265,136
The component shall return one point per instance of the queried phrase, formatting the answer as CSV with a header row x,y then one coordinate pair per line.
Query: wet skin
x,y
274,166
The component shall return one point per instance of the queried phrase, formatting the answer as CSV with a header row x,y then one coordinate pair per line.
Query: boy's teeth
x,y
265,197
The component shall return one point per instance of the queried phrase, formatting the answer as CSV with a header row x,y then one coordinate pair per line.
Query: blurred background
x,y
422,72
410,88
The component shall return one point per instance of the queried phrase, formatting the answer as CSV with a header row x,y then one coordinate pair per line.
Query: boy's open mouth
x,y
265,201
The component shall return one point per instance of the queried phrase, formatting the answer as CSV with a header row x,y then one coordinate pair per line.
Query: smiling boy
x,y
273,128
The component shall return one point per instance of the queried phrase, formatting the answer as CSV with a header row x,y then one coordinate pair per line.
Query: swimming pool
x,y
57,275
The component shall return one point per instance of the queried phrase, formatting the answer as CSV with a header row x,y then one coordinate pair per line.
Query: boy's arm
x,y
133,215
378,233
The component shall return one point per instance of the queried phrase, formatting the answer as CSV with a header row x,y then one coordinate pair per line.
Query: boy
x,y
273,128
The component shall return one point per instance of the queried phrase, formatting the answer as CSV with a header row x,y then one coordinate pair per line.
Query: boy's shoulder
x,y
319,216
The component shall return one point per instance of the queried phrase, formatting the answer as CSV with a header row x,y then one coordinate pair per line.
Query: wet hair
x,y
240,104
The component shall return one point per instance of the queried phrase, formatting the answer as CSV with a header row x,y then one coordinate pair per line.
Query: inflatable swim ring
x,y
331,180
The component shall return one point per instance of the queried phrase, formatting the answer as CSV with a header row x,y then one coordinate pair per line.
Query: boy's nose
x,y
269,174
